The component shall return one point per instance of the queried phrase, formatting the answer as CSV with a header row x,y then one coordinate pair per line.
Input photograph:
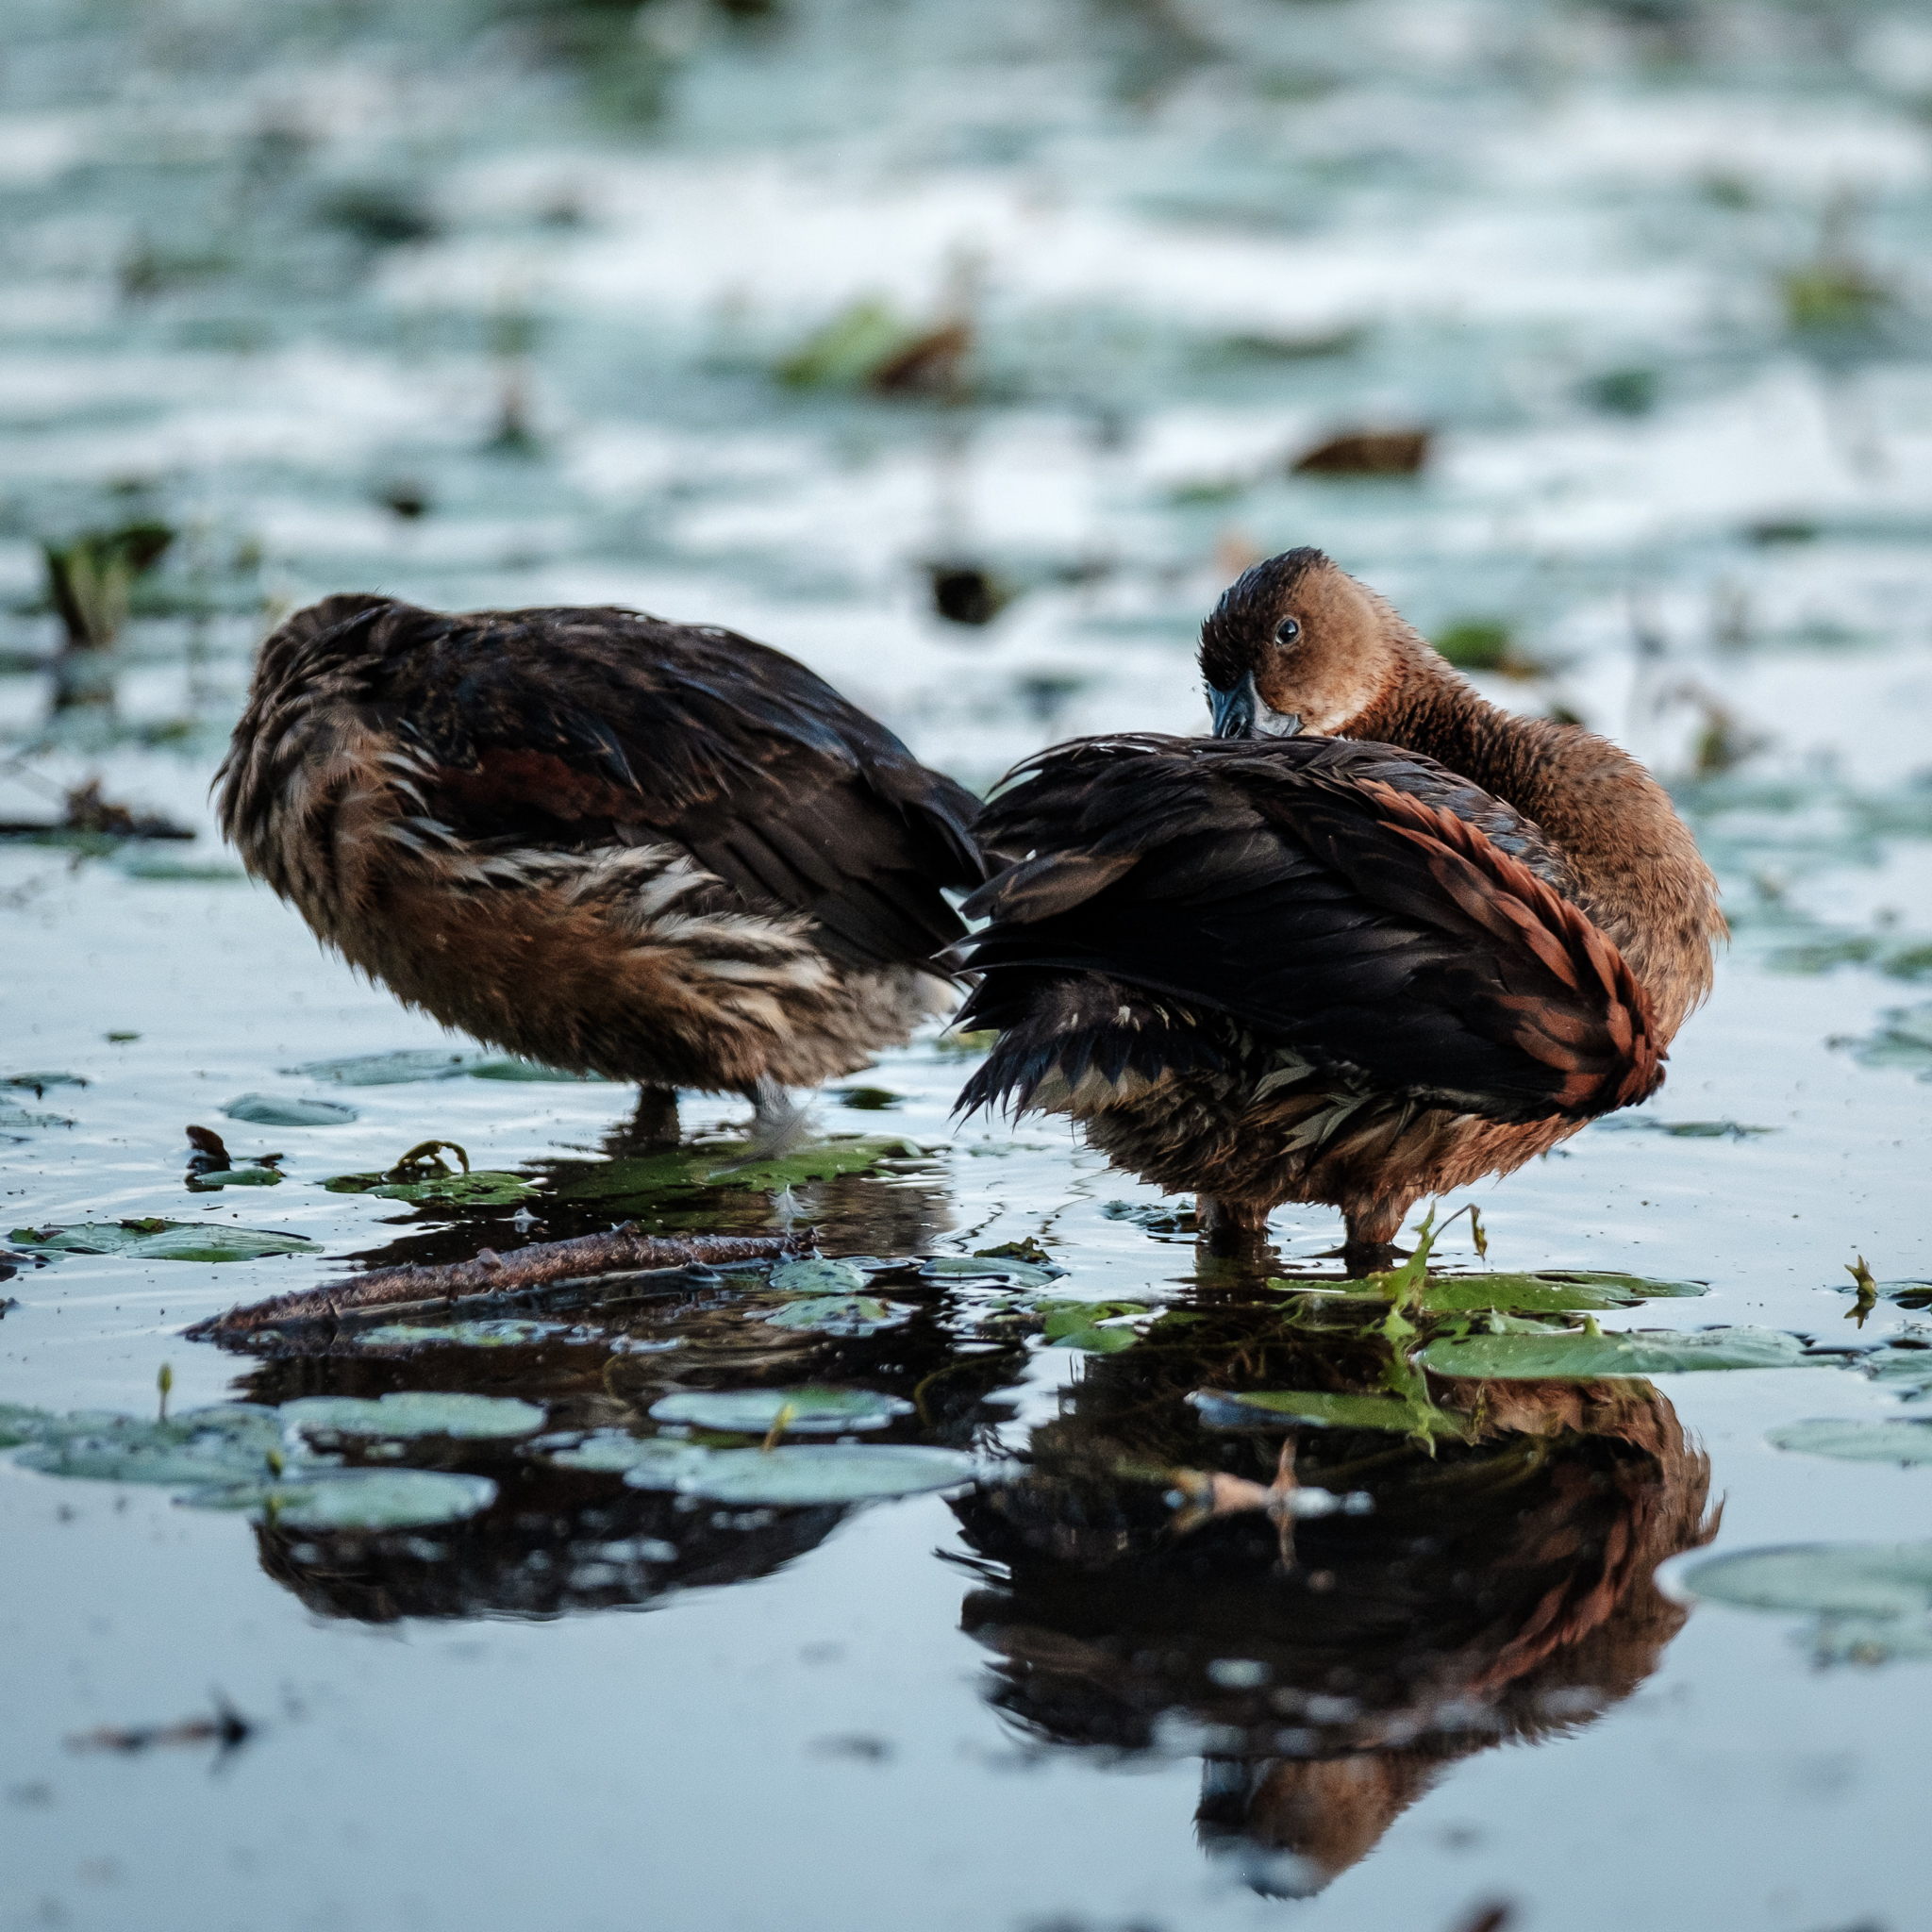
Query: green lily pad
x,y
410,1065
271,1110
1548,1292
508,1332
812,1472
1904,1041
1584,1357
154,1240
995,1271
486,1188
1276,1409
728,1164
1905,1370
866,1099
1682,1130
839,1314
817,1277
224,1443
802,1411
357,1498
611,1451
1858,1441
1879,1581
1909,1294
404,1415
236,1178
39,1081
1078,1325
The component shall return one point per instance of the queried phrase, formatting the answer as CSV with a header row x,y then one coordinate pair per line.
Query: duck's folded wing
x,y
585,726
1311,905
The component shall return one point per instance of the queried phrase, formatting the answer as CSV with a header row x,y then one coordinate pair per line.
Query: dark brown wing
x,y
579,727
1322,894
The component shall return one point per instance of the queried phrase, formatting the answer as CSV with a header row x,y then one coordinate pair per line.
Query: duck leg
x,y
778,1123
1228,1227
1369,1242
655,1123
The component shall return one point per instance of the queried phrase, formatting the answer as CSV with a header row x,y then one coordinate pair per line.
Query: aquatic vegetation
x,y
808,1473
1861,1441
1872,1601
422,1176
403,1416
272,1110
805,1411
156,1238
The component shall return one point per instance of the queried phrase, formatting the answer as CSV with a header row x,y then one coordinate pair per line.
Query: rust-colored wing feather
x,y
1352,902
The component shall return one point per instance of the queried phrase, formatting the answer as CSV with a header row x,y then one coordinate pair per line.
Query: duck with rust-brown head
x,y
1372,940
614,844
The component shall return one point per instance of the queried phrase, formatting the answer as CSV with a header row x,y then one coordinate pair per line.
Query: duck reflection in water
x,y
1502,1591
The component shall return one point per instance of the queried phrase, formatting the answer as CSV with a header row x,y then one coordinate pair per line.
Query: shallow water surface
x,y
425,299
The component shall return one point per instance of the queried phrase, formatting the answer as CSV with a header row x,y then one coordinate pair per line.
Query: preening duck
x,y
611,843
1375,939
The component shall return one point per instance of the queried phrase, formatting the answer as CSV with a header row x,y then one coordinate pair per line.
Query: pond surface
x,y
949,1621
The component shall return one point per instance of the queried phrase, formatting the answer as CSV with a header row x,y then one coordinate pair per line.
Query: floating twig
x,y
544,1265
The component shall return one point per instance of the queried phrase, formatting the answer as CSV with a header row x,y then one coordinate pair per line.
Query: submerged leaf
x,y
486,1188
358,1498
818,1276
728,1164
1585,1356
1858,1441
271,1110
402,1415
811,1473
798,1411
1100,1327
999,1271
839,1314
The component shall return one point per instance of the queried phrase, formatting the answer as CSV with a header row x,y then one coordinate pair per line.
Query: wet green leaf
x,y
997,1271
610,1452
803,1411
234,1177
1552,1290
508,1332
1904,1041
1681,1130
839,1314
867,1099
201,1446
1078,1325
1880,1582
1866,1441
40,1081
1582,1356
486,1188
1902,1368
811,1473
271,1110
728,1164
815,1275
357,1498
154,1240
1253,1408
405,1415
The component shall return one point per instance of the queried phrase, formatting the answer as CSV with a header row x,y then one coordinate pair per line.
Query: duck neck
x,y
1643,880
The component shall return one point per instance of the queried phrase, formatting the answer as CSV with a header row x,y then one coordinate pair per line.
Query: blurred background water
x,y
965,352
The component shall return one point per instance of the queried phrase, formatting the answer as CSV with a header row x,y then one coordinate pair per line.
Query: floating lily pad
x,y
404,1415
1100,1327
1276,1409
811,1473
1156,1217
839,1314
1682,1130
508,1332
236,1178
486,1188
1902,1368
39,1082
1908,1294
1554,1291
271,1110
867,1099
997,1271
1884,1583
357,1498
154,1240
610,1452
801,1411
204,1445
410,1065
818,1276
728,1164
1583,1357
1866,1440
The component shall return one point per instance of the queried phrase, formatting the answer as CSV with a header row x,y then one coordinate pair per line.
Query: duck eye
x,y
1287,631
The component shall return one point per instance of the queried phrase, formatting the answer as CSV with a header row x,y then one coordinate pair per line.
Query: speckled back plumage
x,y
639,848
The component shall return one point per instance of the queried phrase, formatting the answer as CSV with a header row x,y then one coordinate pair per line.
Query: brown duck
x,y
614,844
1375,941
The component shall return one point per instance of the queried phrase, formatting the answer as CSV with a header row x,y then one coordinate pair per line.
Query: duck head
x,y
1296,645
